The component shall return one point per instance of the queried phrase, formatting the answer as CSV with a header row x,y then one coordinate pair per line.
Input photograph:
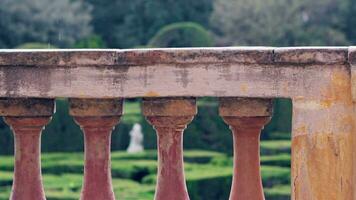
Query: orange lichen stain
x,y
300,130
339,88
347,122
311,153
151,94
299,98
326,103
243,87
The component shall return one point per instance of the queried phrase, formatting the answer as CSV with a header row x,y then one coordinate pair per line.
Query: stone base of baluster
x,y
246,118
27,117
97,117
169,117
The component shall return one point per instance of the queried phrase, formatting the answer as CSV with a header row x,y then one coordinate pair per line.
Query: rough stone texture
x,y
97,117
246,182
170,117
96,107
24,107
134,57
246,118
311,55
97,183
245,107
352,55
319,80
323,142
352,61
165,107
27,182
221,72
27,117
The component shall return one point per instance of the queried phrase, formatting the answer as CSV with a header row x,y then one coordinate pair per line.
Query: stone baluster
x,y
246,118
27,118
97,117
169,117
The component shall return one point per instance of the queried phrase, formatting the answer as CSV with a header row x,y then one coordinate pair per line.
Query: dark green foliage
x,y
208,131
279,22
60,23
282,160
93,42
182,34
125,24
62,134
273,147
281,124
350,20
34,45
217,188
6,139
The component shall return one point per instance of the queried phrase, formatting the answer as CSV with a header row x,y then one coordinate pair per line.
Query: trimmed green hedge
x,y
182,34
134,175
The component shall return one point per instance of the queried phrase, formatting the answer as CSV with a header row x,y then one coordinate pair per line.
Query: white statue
x,y
136,139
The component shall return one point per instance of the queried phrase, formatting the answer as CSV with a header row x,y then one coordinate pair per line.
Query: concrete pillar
x,y
169,117
322,142
246,118
97,117
352,62
27,118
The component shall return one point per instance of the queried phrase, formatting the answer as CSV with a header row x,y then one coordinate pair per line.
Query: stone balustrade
x,y
320,81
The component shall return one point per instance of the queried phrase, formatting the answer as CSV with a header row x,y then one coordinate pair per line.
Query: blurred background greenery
x,y
46,24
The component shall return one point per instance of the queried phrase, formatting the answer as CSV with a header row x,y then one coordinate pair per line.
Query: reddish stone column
x,y
97,117
27,118
170,116
246,118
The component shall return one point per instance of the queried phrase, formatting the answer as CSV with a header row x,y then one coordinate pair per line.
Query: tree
x,y
350,20
277,22
126,24
60,23
182,34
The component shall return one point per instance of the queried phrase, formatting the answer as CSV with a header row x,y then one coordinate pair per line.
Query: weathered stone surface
x,y
247,182
97,183
309,55
26,107
246,118
352,61
169,107
245,107
170,117
323,143
135,57
27,182
97,117
95,107
317,79
352,55
221,72
27,117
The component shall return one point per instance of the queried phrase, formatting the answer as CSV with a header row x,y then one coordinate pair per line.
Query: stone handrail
x,y
320,81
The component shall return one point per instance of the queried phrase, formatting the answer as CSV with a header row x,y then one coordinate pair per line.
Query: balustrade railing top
x,y
321,81
243,71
